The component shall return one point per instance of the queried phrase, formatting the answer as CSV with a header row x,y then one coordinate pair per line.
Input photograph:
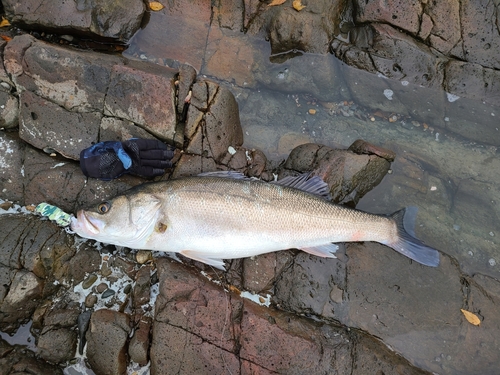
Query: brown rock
x,y
113,129
155,111
47,126
106,342
261,271
349,176
138,348
57,345
75,80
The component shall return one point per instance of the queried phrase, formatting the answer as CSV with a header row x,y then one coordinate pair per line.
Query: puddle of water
x,y
22,337
447,147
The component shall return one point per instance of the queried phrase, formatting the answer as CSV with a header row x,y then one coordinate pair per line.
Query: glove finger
x,y
151,144
148,172
163,164
156,154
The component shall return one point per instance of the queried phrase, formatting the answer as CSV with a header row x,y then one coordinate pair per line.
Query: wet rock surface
x,y
325,313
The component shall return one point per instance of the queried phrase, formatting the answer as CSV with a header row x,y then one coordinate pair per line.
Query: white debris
x,y
231,150
452,98
388,94
257,298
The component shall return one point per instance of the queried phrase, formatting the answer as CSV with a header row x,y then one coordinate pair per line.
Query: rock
x,y
51,179
117,21
75,80
106,342
479,44
138,348
17,360
20,301
85,262
57,345
154,112
187,77
362,147
214,124
12,169
141,291
473,81
402,14
444,16
113,129
349,176
48,126
9,110
261,271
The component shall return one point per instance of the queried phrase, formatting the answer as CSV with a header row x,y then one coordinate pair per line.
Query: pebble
x,y
108,293
101,287
143,256
492,262
89,281
90,300
105,270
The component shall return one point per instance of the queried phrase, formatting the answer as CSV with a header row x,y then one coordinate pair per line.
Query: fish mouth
x,y
84,222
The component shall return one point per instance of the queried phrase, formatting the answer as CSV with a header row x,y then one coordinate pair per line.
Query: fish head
x,y
126,220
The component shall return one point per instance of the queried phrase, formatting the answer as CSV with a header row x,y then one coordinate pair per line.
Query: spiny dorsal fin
x,y
313,185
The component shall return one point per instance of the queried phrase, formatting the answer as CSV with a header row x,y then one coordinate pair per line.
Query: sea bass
x,y
225,216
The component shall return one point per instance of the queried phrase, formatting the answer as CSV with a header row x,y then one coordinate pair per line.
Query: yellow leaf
x,y
297,5
275,2
471,318
155,6
4,23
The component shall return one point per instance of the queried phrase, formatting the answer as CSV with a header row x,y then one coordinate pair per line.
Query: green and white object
x,y
54,213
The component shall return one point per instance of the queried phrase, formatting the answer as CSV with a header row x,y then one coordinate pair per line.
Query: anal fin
x,y
324,251
214,262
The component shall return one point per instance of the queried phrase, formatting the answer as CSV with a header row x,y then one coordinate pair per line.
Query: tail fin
x,y
407,244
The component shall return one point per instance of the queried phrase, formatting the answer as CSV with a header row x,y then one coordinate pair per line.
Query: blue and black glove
x,y
141,157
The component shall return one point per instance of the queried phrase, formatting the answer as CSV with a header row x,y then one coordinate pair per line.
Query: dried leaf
x,y
4,22
6,38
297,5
275,2
471,318
155,6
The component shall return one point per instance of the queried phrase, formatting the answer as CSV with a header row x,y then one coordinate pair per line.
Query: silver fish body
x,y
213,218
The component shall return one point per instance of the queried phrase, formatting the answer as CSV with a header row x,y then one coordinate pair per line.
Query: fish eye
x,y
103,207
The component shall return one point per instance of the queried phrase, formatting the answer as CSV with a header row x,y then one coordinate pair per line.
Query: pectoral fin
x,y
214,262
324,251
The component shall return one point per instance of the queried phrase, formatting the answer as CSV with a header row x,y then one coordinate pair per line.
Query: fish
x,y
226,215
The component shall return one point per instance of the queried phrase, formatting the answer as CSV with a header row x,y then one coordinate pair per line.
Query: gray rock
x,y
155,111
106,342
16,360
473,81
480,42
11,167
48,126
118,20
57,345
9,110
21,300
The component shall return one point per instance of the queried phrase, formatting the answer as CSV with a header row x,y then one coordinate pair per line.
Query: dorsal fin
x,y
313,185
